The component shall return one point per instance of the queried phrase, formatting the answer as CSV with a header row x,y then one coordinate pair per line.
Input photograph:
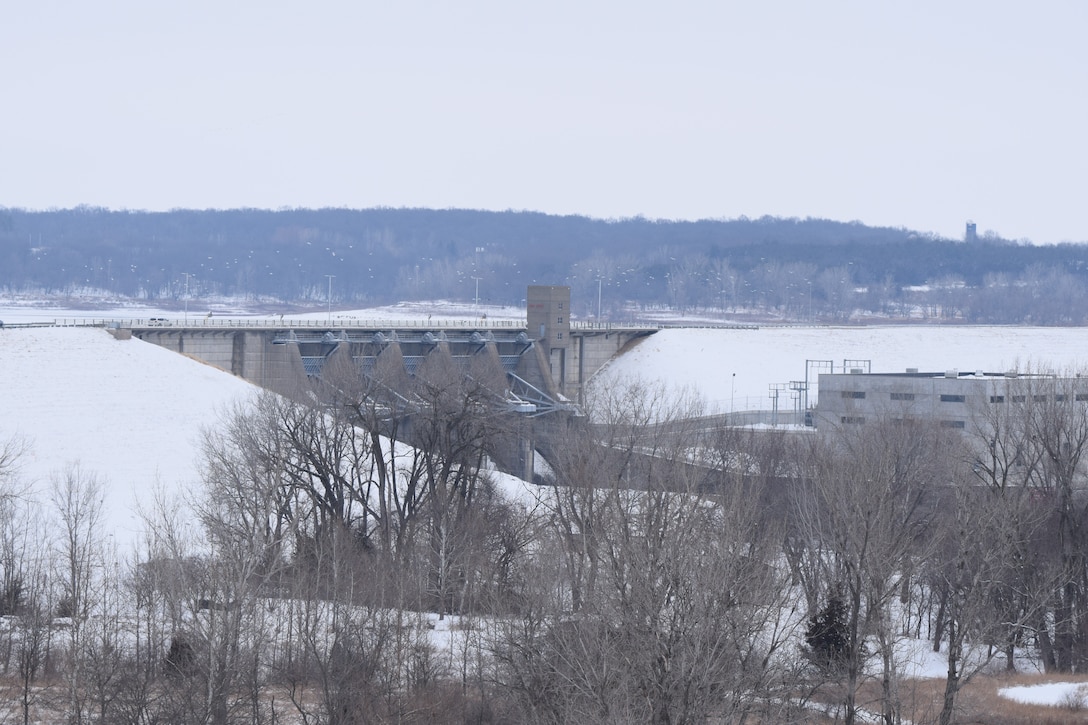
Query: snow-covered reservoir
x,y
734,369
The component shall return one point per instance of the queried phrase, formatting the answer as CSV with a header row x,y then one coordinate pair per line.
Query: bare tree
x,y
667,605
872,497
380,405
24,587
1051,415
723,282
290,474
458,418
107,652
835,286
205,577
29,599
11,450
77,500
303,504
983,534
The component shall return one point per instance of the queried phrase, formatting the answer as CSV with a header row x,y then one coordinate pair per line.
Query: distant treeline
x,y
793,268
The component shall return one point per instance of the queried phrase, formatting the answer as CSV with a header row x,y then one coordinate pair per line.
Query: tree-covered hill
x,y
793,267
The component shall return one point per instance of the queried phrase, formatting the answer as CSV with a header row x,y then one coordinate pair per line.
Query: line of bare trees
x,y
658,571
1040,294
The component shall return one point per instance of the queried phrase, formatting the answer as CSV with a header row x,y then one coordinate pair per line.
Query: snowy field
x,y
128,412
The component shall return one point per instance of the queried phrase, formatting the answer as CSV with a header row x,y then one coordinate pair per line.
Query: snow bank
x,y
127,411
1054,694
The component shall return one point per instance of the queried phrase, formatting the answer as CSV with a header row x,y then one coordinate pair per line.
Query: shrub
x,y
826,637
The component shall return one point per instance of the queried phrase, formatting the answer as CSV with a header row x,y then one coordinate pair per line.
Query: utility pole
x,y
330,276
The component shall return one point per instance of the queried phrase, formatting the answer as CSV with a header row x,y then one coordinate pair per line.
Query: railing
x,y
679,325
276,323
437,323
783,420
229,323
28,324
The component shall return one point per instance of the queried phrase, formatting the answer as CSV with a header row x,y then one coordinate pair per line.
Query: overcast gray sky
x,y
917,114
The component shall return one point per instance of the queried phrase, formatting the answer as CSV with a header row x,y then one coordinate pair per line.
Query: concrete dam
x,y
541,384
282,357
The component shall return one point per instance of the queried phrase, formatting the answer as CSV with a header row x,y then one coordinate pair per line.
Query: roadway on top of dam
x,y
227,322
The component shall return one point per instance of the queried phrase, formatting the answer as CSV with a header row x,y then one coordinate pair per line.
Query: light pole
x,y
187,276
475,276
598,299
330,276
732,392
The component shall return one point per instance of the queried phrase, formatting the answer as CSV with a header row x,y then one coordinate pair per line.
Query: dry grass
x,y
979,703
982,704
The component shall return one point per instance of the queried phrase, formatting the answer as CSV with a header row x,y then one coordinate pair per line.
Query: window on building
x,y
560,305
997,398
947,398
559,320
853,393
852,420
1017,398
559,336
902,396
953,424
1059,398
1081,398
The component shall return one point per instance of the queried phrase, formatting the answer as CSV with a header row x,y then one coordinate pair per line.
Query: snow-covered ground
x,y
127,412
132,413
1052,694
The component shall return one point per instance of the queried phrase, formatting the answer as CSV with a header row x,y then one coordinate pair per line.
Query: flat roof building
x,y
950,399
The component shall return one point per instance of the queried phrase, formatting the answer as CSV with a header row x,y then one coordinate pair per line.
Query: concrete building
x,y
950,399
548,319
